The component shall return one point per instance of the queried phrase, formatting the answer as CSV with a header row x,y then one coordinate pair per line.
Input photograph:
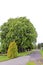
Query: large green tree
x,y
20,30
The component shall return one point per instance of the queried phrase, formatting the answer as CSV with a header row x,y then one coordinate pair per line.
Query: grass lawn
x,y
41,51
4,57
30,63
24,53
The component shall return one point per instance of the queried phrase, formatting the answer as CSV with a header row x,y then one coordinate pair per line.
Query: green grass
x,y
41,51
24,53
31,63
3,58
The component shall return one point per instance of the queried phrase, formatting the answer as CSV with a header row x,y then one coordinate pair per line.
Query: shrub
x,y
12,50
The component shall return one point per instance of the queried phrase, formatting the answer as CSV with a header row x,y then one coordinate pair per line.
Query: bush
x,y
12,50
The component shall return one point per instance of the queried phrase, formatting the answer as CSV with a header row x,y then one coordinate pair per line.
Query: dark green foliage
x,y
40,45
4,48
21,30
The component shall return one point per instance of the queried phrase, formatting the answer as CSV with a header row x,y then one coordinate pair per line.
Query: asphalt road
x,y
22,60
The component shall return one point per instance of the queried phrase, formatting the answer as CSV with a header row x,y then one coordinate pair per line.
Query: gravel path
x,y
23,60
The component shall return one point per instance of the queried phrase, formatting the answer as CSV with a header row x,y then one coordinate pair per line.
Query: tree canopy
x,y
20,30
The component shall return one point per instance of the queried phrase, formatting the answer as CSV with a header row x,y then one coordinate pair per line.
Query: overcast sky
x,y
32,9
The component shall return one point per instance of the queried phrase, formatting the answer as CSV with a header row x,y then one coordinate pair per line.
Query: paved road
x,y
35,55
22,60
17,61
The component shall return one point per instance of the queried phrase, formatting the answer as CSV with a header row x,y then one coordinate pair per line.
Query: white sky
x,y
32,9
